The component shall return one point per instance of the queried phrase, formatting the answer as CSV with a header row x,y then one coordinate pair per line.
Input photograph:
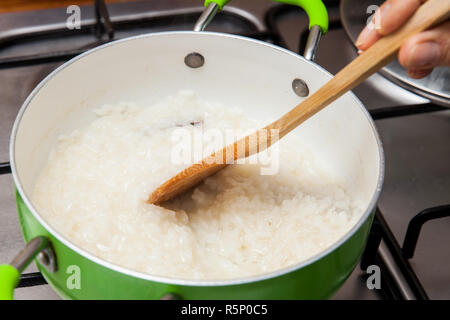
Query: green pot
x,y
235,69
317,280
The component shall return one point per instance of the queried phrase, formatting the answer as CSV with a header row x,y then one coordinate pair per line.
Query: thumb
x,y
427,49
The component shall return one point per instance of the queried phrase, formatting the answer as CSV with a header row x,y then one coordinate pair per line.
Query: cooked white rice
x,y
237,223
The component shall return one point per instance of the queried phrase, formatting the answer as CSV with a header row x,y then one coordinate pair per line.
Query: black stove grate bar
x,y
415,225
31,279
370,257
401,111
104,24
382,231
62,56
35,59
5,168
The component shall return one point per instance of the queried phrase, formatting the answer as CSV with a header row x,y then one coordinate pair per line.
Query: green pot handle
x,y
10,273
9,278
315,9
220,3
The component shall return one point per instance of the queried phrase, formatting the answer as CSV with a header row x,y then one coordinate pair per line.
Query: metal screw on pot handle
x,y
39,247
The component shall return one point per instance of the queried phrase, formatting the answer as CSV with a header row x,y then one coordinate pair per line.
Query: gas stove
x,y
415,132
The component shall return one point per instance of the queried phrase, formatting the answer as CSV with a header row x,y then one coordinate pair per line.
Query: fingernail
x,y
363,36
424,54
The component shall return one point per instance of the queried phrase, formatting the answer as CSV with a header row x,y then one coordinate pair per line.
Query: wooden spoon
x,y
376,57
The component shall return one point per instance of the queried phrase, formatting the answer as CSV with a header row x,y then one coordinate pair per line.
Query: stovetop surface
x,y
417,148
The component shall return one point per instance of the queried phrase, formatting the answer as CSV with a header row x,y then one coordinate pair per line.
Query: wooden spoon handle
x,y
377,56
382,52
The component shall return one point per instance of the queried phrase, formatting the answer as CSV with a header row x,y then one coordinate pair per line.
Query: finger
x,y
389,17
419,73
369,34
427,49
394,14
367,37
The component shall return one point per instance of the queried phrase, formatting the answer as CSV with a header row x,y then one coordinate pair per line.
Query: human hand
x,y
421,52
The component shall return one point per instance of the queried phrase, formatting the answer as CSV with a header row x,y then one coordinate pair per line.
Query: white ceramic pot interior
x,y
237,72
